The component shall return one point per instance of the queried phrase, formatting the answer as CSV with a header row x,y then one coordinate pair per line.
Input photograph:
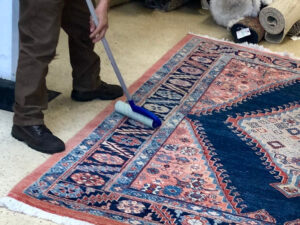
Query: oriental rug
x,y
228,151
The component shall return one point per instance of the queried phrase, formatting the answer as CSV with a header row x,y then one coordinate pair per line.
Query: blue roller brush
x,y
130,110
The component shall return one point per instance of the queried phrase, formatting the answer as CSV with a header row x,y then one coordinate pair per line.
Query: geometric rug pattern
x,y
228,151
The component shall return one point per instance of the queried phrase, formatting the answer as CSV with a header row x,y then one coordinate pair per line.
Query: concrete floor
x,y
138,37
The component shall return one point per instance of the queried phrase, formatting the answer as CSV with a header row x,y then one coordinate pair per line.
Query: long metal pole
x,y
108,51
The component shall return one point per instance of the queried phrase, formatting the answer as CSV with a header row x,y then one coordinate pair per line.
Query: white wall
x,y
9,14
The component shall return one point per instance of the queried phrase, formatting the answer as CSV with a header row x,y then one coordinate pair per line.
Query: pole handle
x,y
108,51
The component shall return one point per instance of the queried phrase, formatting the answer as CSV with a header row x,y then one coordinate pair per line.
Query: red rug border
x,y
17,191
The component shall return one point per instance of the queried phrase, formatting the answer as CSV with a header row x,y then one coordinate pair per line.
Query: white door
x,y
9,38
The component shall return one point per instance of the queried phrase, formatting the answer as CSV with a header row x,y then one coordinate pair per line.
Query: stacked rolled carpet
x,y
165,5
205,4
247,30
278,18
295,30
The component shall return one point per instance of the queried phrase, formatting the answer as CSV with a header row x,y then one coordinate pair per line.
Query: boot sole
x,y
86,99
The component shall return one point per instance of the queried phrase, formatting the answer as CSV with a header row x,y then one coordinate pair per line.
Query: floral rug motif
x,y
228,151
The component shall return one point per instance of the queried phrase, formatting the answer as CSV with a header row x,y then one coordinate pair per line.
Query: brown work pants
x,y
39,27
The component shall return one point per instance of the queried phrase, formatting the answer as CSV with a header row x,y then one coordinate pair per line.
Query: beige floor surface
x,y
138,38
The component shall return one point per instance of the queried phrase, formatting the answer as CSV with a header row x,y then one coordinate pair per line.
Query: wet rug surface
x,y
228,151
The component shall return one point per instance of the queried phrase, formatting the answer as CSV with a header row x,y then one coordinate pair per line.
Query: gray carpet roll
x,y
272,20
278,18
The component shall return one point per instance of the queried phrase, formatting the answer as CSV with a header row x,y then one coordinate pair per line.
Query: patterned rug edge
x,y
18,202
20,207
247,45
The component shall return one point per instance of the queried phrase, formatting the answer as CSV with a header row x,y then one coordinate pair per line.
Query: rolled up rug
x,y
205,4
165,5
278,18
295,30
247,30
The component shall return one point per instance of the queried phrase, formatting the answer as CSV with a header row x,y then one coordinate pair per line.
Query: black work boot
x,y
104,92
38,137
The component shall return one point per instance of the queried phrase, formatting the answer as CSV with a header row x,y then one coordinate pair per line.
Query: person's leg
x,y
39,27
85,62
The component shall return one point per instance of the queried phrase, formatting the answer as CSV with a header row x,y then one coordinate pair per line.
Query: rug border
x,y
17,191
256,47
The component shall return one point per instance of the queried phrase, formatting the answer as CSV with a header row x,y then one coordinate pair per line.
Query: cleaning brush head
x,y
132,111
137,113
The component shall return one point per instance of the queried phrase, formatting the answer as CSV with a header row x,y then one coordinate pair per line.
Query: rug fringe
x,y
295,38
21,207
249,45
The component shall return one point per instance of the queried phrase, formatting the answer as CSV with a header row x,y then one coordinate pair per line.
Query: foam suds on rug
x,y
21,207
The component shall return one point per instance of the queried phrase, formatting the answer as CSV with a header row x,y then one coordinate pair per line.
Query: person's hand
x,y
97,33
